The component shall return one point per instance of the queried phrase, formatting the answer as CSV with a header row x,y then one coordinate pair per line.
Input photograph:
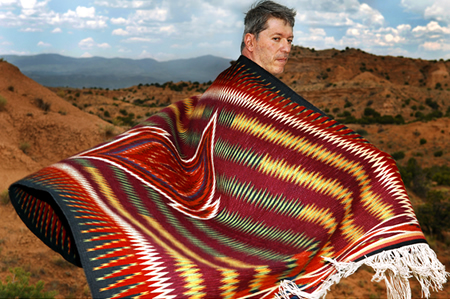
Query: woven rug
x,y
245,191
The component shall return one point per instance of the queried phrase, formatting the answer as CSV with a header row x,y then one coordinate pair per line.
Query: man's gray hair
x,y
256,18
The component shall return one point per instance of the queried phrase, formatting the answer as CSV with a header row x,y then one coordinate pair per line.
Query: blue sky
x,y
166,30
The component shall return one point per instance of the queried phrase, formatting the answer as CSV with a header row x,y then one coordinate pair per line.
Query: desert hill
x,y
40,126
37,128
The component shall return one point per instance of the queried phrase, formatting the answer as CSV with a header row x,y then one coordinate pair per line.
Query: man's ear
x,y
249,40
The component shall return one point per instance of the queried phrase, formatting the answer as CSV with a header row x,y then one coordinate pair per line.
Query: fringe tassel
x,y
394,266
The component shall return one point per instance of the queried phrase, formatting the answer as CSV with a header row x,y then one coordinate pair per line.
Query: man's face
x,y
271,49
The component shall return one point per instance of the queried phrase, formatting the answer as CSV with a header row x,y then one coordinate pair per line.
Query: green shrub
x,y
439,174
24,147
4,199
362,132
438,153
398,155
41,104
422,141
18,286
347,104
414,177
434,215
3,103
127,120
432,104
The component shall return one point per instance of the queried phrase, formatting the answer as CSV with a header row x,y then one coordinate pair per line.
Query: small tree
x,y
434,215
18,286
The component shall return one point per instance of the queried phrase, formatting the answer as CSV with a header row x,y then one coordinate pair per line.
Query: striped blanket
x,y
247,191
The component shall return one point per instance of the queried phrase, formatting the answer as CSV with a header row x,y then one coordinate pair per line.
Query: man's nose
x,y
286,46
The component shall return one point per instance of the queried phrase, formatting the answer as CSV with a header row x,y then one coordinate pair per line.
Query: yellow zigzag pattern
x,y
257,283
316,182
192,276
281,170
229,283
189,109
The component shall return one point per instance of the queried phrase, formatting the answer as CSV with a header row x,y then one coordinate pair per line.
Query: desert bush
x,y
61,93
127,120
432,104
108,131
3,103
11,88
362,132
414,177
398,155
24,146
4,199
439,174
41,104
422,141
438,153
434,215
18,286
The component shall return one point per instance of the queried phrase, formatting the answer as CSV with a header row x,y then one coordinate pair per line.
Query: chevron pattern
x,y
221,196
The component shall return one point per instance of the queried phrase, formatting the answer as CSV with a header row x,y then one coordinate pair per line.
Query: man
x,y
246,191
268,35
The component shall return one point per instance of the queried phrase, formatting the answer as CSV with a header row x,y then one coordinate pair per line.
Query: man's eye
x,y
276,38
289,41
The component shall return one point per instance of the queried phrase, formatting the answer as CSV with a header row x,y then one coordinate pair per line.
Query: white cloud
x,y
317,31
87,43
124,3
353,32
86,55
57,30
369,16
96,24
430,9
118,21
431,27
85,12
157,14
80,18
7,2
120,31
436,46
140,40
104,46
167,29
27,4
416,6
31,30
43,44
225,43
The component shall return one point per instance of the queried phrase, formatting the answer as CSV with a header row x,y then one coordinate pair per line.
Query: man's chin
x,y
277,70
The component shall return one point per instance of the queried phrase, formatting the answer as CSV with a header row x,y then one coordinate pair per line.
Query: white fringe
x,y
394,266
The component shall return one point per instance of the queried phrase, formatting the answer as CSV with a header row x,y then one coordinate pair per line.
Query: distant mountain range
x,y
54,70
